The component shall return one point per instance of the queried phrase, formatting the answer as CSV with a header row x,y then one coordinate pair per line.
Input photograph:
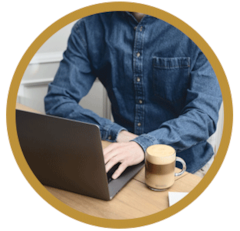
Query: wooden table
x,y
133,201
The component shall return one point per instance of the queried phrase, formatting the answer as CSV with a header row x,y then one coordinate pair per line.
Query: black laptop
x,y
68,155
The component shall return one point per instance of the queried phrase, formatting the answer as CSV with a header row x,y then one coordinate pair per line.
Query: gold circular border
x,y
106,7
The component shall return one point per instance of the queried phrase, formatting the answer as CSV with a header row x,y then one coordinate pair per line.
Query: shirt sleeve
x,y
197,121
72,82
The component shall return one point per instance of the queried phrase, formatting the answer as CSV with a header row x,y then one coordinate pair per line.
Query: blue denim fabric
x,y
160,84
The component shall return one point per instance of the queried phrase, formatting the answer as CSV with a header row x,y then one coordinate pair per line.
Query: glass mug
x,y
160,162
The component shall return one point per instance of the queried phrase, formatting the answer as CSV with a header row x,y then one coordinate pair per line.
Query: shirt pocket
x,y
171,78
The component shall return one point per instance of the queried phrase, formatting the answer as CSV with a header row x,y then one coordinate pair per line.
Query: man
x,y
161,87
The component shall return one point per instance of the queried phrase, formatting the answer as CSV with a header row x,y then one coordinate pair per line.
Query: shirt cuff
x,y
109,132
145,141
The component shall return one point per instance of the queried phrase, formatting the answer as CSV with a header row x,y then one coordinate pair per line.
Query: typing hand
x,y
125,136
128,153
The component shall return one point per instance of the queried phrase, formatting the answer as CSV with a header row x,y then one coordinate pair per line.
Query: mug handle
x,y
184,166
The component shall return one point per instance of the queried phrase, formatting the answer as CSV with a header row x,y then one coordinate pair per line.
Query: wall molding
x,y
36,82
39,82
47,57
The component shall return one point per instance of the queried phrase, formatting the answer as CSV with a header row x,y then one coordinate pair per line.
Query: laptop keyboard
x,y
111,171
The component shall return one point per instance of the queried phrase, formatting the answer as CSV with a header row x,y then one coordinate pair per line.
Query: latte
x,y
160,167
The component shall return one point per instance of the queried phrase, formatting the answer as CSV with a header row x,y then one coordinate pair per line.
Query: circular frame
x,y
11,114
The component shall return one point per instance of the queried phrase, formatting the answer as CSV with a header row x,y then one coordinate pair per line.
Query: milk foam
x,y
160,154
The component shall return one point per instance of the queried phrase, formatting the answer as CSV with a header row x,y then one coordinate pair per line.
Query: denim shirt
x,y
160,84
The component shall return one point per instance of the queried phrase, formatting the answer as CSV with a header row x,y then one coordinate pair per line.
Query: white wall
x,y
215,139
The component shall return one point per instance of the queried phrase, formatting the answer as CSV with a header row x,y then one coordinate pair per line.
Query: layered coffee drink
x,y
160,163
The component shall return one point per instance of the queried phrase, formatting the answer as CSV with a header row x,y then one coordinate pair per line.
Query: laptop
x,y
68,155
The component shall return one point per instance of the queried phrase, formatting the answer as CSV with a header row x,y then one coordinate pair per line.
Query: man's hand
x,y
129,153
125,136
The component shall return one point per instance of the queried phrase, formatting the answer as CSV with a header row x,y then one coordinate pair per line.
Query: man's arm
x,y
72,82
198,119
196,123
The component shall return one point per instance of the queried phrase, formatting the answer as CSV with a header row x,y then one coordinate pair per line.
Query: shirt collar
x,y
147,18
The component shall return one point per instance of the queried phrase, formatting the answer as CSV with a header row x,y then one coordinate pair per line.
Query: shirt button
x,y
109,137
140,101
139,124
138,54
141,28
138,79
